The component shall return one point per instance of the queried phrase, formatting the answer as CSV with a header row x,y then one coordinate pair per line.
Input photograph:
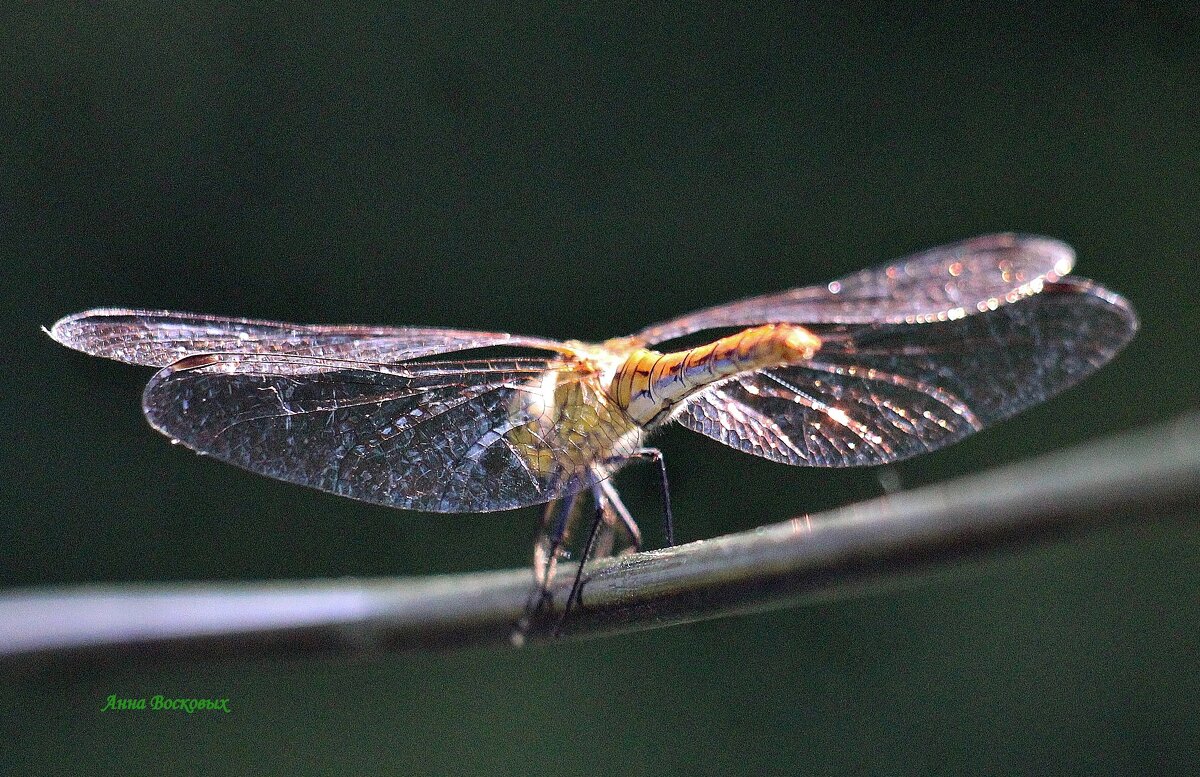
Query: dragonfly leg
x,y
613,500
606,537
668,520
556,523
577,583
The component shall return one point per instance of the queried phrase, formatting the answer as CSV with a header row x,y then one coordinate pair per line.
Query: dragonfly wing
x,y
424,436
945,282
157,338
875,394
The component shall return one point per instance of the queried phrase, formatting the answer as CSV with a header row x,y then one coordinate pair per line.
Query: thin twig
x,y
1149,474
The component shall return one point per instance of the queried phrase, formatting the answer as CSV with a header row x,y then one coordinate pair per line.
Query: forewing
x,y
157,338
945,282
424,436
875,394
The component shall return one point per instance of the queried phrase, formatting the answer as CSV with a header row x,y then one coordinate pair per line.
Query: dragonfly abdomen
x,y
649,384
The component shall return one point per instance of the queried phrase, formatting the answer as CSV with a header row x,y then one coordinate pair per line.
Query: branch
x,y
1149,474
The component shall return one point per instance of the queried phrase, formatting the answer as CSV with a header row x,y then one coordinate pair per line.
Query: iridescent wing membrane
x,y
915,354
156,338
343,409
945,282
427,436
875,394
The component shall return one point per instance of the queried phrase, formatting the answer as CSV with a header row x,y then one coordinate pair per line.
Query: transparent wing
x,y
157,338
875,394
426,436
945,282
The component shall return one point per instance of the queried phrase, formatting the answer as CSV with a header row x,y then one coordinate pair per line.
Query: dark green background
x,y
579,174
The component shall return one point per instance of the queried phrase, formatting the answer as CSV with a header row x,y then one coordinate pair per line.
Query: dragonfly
x,y
881,365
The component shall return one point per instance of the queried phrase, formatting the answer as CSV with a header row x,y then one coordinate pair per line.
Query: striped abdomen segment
x,y
649,384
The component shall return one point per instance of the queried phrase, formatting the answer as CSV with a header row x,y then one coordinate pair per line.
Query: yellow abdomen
x,y
649,384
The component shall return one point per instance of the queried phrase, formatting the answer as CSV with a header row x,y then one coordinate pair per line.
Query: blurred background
x,y
580,173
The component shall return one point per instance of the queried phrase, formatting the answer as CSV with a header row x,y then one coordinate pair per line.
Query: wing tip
x,y
64,331
1059,254
67,330
1120,305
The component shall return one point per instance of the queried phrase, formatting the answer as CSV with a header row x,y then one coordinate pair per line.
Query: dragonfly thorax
x,y
564,421
649,385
